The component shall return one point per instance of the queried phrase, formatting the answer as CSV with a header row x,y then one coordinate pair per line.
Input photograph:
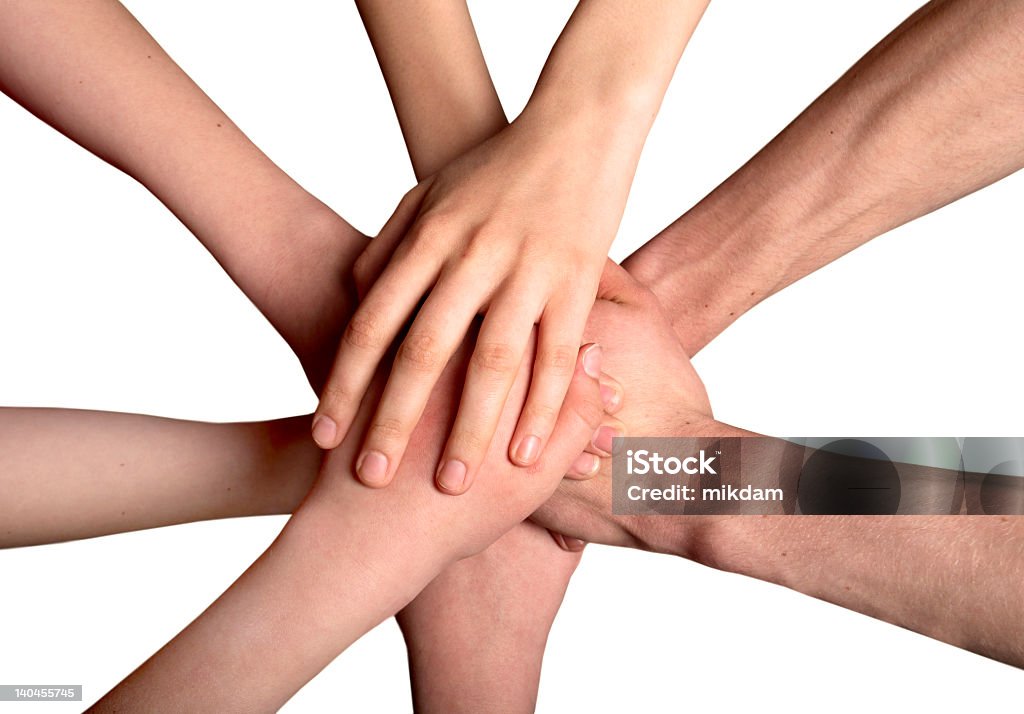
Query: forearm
x,y
927,573
507,596
436,75
930,114
319,587
348,558
90,70
954,578
120,472
605,78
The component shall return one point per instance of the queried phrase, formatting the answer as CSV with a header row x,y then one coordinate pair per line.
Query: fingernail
x,y
586,465
609,397
573,545
324,431
603,438
451,476
372,468
528,450
592,361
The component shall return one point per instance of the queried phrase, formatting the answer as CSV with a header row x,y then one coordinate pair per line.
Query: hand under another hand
x,y
510,229
663,397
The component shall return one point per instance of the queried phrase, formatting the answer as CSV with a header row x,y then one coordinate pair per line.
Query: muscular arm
x,y
930,114
926,573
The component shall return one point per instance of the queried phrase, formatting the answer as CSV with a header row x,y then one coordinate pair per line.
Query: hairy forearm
x,y
929,115
955,578
436,75
92,71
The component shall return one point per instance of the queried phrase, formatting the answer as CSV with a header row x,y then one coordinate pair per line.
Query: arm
x,y
349,558
929,115
496,231
92,71
926,573
509,594
436,75
120,472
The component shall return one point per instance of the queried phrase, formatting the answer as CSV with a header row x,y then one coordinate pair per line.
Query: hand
x,y
450,529
665,397
518,228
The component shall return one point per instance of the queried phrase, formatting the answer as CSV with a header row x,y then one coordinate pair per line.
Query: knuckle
x,y
559,360
337,395
420,352
361,268
544,413
469,441
386,429
495,357
364,331
432,229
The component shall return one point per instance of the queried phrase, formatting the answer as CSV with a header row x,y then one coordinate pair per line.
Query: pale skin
x,y
982,533
495,230
321,235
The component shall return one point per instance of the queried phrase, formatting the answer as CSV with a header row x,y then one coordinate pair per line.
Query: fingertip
x,y
568,543
527,451
453,477
372,469
592,358
604,439
611,394
325,431
584,466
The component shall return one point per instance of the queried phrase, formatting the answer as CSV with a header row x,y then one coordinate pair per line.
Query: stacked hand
x,y
517,229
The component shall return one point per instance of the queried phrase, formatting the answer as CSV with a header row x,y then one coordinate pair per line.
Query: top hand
x,y
519,228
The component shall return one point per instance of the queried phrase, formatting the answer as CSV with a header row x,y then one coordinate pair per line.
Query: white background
x,y
106,302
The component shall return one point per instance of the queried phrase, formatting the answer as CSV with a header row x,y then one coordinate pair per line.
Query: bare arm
x,y
494,231
508,595
349,558
955,578
437,77
92,71
929,115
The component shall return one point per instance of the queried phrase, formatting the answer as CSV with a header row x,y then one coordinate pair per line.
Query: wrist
x,y
720,259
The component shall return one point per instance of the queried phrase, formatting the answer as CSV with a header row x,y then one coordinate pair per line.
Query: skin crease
x,y
799,135
477,236
260,225
343,563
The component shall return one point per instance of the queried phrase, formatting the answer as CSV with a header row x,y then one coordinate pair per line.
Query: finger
x,y
584,467
371,263
581,414
435,334
611,393
603,443
497,357
366,339
568,543
561,329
